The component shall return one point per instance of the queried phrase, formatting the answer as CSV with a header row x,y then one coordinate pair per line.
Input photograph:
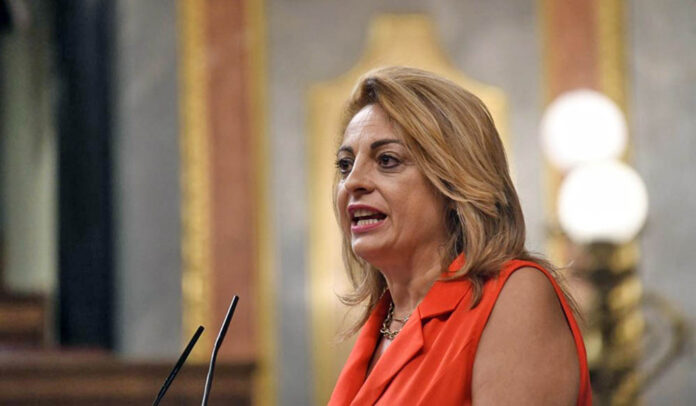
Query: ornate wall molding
x,y
195,183
265,391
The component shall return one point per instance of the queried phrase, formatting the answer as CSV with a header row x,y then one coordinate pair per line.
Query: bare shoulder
x,y
526,354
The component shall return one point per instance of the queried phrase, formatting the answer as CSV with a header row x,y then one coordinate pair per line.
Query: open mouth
x,y
366,217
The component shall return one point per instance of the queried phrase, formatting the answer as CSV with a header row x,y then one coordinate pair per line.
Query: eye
x,y
344,165
387,161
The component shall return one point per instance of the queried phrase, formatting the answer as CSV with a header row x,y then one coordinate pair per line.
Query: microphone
x,y
178,365
216,347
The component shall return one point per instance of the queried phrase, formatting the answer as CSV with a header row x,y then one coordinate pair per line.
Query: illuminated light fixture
x,y
582,126
602,201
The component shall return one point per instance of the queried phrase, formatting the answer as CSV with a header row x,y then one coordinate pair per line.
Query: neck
x,y
410,280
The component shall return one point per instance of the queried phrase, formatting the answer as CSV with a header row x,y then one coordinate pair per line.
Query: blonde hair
x,y
451,137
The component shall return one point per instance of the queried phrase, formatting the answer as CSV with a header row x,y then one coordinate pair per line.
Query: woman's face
x,y
386,205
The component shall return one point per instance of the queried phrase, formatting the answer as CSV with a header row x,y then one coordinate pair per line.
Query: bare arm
x,y
526,355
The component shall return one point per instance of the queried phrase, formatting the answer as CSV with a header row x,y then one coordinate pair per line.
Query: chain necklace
x,y
385,330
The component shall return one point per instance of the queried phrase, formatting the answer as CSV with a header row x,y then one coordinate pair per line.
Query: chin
x,y
368,252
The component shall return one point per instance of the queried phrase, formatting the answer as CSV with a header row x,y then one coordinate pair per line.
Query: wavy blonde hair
x,y
451,137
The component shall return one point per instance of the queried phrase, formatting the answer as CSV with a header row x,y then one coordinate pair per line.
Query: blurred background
x,y
158,157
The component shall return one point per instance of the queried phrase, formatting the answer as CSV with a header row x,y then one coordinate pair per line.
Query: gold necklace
x,y
385,330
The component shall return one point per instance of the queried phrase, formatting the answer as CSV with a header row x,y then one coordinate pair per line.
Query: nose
x,y
359,180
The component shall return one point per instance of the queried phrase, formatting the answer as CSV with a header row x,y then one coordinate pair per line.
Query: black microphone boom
x,y
178,365
218,343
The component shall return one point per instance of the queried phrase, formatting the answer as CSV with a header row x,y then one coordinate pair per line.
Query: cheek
x,y
425,208
341,202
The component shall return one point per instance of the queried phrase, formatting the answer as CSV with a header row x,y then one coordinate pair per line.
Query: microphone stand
x,y
216,348
178,365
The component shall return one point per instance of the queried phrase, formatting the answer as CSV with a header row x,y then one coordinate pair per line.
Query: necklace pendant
x,y
385,330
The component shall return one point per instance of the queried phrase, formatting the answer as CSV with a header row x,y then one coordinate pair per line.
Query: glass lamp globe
x,y
582,126
603,201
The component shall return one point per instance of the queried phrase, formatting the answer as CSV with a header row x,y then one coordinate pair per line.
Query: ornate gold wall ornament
x,y
409,40
611,50
266,370
195,187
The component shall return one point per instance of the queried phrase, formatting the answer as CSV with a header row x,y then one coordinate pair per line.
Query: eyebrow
x,y
379,143
373,146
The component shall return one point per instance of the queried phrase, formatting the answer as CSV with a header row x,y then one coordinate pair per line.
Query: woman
x,y
457,311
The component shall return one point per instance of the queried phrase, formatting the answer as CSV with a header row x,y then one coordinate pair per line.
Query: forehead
x,y
369,124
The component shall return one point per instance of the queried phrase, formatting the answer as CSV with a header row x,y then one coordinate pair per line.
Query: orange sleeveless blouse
x,y
431,360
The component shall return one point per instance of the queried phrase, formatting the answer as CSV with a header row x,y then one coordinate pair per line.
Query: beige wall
x,y
147,216
662,72
28,162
